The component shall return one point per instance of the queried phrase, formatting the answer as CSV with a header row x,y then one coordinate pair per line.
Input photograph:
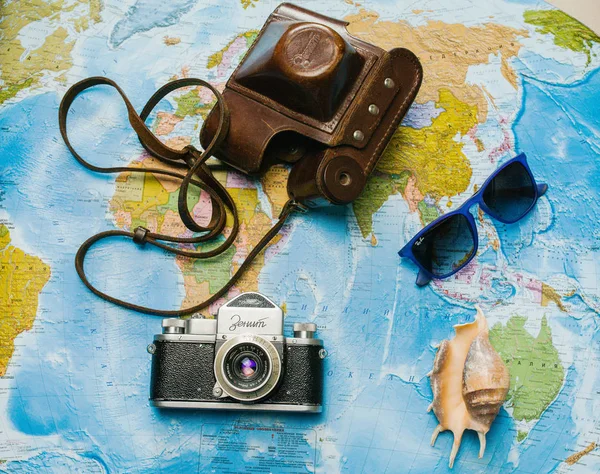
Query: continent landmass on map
x,y
536,373
567,31
23,68
421,162
237,44
152,203
446,52
22,278
431,155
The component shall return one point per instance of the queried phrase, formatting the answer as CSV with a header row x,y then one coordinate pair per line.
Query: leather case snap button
x,y
343,179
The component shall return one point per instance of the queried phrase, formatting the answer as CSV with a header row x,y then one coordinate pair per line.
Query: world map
x,y
500,77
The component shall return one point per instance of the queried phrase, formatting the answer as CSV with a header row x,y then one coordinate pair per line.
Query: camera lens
x,y
247,367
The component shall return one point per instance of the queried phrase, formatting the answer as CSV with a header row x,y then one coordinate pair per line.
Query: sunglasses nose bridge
x,y
471,203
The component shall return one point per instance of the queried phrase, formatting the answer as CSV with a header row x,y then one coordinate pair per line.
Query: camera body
x,y
240,360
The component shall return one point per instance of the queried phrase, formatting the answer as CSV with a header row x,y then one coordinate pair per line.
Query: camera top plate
x,y
250,313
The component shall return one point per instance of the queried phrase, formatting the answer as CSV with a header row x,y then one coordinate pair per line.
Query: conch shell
x,y
469,381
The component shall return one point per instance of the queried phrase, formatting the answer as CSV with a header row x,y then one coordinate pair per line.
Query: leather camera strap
x,y
195,171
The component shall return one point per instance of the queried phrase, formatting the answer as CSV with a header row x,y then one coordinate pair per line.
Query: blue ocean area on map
x,y
43,409
48,408
75,398
561,121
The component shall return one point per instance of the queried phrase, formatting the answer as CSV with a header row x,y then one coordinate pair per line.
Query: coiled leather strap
x,y
194,170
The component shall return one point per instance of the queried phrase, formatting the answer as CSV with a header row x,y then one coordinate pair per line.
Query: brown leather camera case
x,y
309,93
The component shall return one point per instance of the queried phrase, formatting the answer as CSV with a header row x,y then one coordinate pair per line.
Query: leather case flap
x,y
305,66
267,86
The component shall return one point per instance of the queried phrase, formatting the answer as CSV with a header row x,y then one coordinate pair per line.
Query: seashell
x,y
469,381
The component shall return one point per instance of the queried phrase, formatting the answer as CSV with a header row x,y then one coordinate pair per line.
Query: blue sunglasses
x,y
450,242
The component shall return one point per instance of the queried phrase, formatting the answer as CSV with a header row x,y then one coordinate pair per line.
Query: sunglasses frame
x,y
425,276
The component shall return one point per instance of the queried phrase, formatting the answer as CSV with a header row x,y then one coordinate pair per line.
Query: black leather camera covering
x,y
183,371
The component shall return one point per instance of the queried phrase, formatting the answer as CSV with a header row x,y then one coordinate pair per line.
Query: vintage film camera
x,y
238,361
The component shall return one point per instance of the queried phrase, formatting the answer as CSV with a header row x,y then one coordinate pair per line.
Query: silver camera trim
x,y
266,387
284,407
236,318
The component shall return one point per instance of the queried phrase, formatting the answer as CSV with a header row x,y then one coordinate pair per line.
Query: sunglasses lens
x,y
511,193
445,248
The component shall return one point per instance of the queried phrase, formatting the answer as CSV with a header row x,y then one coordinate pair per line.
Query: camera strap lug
x,y
292,205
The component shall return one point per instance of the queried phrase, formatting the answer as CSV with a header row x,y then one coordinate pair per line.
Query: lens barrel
x,y
248,367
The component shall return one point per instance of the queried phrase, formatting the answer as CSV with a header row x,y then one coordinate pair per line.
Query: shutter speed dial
x,y
305,330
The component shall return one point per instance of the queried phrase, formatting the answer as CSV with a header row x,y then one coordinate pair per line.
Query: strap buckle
x,y
192,155
140,235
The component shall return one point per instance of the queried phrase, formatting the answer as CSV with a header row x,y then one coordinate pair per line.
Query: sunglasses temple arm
x,y
422,278
542,188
